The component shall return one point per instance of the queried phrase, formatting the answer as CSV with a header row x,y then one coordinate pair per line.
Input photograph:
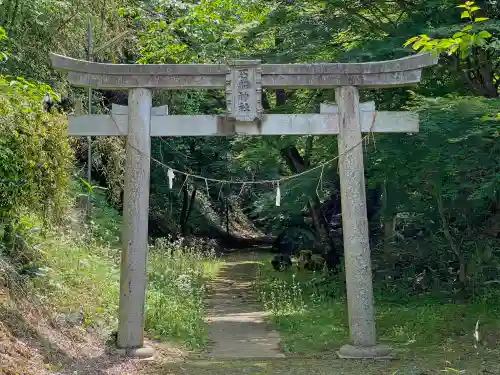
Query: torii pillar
x,y
133,277
358,267
243,81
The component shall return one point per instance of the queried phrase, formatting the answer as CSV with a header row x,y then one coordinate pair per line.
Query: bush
x,y
35,161
35,157
446,188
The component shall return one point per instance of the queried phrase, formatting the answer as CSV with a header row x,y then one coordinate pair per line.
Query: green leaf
x,y
467,28
484,34
494,45
480,41
417,45
411,40
465,14
85,182
453,49
464,51
481,19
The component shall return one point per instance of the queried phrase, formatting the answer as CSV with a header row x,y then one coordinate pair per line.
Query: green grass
x,y
175,308
433,364
78,278
177,278
312,316
307,320
82,278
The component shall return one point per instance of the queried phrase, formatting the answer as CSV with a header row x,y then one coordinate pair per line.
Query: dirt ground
x,y
235,321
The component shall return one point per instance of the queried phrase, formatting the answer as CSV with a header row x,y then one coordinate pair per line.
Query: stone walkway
x,y
236,321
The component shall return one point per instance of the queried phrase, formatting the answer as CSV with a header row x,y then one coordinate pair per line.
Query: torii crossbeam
x,y
327,123
243,81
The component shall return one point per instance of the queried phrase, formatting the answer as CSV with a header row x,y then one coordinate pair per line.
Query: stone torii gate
x,y
243,81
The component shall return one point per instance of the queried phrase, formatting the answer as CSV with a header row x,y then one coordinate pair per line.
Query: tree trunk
x,y
297,164
280,97
185,203
389,226
480,74
190,209
451,241
389,237
187,207
319,225
227,216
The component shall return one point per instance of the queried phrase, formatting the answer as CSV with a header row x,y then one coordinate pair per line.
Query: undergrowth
x,y
176,291
310,311
79,280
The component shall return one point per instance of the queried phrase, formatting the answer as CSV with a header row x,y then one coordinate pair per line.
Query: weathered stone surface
x,y
135,221
277,124
401,72
406,63
365,352
413,62
143,353
354,220
117,109
368,80
125,82
69,64
244,90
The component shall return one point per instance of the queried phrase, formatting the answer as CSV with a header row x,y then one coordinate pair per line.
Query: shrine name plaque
x,y
244,90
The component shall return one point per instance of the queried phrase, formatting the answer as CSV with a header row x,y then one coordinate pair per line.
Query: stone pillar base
x,y
360,352
144,352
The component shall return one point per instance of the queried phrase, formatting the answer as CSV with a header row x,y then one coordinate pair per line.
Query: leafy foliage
x,y
3,38
36,27
463,41
472,51
444,189
35,157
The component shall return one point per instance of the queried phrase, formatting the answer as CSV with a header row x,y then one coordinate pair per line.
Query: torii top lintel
x,y
392,73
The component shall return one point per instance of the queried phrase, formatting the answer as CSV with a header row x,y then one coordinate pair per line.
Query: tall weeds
x,y
177,277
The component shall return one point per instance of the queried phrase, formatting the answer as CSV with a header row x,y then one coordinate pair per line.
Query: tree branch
x,y
308,150
449,237
373,24
383,15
